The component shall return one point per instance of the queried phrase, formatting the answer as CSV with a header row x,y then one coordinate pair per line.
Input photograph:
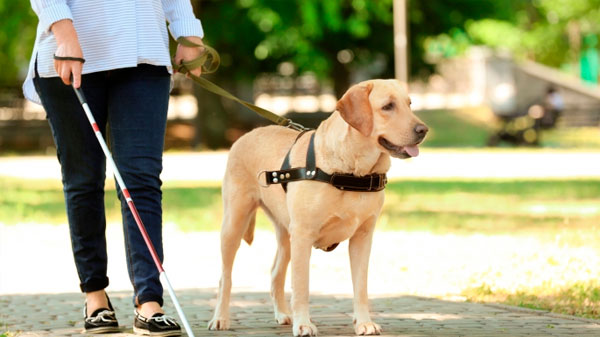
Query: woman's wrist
x,y
63,31
194,39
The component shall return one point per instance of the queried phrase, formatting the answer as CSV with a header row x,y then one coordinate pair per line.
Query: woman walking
x,y
117,51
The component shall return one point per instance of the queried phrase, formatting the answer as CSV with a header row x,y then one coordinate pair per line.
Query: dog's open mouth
x,y
403,152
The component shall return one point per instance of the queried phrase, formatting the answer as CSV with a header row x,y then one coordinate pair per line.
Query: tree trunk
x,y
341,79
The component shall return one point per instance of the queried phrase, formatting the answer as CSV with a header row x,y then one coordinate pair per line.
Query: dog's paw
x,y
367,328
283,319
305,329
218,323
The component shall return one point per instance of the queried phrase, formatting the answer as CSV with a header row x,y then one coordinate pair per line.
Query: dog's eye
x,y
389,106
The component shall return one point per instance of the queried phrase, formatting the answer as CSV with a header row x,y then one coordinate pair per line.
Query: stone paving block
x,y
34,334
252,315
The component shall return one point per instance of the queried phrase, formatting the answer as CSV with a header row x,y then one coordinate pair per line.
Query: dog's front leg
x,y
301,243
359,249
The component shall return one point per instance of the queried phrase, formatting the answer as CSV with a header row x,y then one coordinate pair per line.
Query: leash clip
x,y
296,126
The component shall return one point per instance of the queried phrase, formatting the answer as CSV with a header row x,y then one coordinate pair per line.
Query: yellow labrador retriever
x,y
373,121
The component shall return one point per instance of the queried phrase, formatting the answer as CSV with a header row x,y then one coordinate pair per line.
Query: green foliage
x,y
566,10
255,36
546,43
308,33
539,30
17,34
311,33
445,45
496,33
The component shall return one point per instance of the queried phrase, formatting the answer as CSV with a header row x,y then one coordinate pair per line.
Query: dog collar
x,y
342,181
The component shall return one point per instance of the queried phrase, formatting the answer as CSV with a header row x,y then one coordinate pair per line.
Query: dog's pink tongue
x,y
412,150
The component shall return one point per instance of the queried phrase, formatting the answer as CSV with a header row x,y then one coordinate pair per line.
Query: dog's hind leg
x,y
239,213
282,260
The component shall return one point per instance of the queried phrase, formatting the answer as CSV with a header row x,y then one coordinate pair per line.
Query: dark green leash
x,y
209,61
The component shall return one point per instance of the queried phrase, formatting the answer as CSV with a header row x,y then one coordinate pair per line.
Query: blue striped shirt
x,y
113,33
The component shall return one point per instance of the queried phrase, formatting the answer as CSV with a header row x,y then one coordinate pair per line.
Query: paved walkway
x,y
407,269
53,315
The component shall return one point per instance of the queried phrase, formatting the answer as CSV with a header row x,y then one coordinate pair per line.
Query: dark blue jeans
x,y
133,103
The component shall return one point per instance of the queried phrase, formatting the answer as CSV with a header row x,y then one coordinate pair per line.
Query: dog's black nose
x,y
421,130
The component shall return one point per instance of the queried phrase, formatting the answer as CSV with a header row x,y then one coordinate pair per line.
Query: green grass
x,y
588,138
454,128
471,128
542,207
579,299
42,201
4,332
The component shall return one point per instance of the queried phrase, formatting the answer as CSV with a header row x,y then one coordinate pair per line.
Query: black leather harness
x,y
347,182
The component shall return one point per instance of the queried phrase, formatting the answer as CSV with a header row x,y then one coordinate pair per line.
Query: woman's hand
x,y
68,46
184,53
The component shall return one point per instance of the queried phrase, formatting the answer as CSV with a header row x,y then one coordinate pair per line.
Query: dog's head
x,y
380,110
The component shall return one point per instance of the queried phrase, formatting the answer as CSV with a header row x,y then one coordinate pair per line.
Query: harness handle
x,y
209,60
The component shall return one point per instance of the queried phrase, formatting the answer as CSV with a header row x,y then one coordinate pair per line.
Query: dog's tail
x,y
249,235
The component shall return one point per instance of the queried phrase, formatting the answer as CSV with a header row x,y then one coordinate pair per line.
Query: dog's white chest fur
x,y
333,216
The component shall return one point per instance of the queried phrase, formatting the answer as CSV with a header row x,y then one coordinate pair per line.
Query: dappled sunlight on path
x,y
416,263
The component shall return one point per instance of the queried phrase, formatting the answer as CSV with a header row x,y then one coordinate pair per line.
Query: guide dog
x,y
372,122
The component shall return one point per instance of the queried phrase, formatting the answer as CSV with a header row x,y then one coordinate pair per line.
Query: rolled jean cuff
x,y
94,284
143,298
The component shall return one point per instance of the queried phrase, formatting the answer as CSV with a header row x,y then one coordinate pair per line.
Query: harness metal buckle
x,y
382,181
259,179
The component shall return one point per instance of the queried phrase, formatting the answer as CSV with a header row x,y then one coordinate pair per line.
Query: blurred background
x,y
472,65
504,199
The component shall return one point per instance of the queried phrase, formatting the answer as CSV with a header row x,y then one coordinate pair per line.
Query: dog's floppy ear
x,y
355,108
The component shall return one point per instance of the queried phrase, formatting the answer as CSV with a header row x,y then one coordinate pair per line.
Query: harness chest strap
x,y
346,182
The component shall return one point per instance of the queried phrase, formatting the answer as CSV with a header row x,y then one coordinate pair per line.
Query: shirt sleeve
x,y
182,22
51,11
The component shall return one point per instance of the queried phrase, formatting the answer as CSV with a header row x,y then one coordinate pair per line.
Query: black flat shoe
x,y
157,325
102,320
